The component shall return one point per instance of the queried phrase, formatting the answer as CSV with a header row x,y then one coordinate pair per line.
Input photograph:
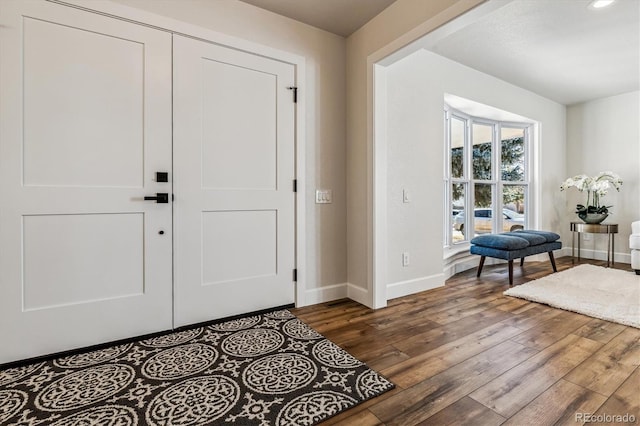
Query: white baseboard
x,y
471,261
460,266
326,294
358,294
404,288
596,255
336,291
465,263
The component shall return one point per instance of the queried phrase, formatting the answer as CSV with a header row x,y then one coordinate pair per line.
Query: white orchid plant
x,y
598,186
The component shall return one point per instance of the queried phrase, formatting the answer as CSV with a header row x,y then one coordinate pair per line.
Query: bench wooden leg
x,y
482,258
511,272
521,261
553,261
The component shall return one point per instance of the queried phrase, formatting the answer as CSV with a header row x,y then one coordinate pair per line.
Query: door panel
x,y
249,147
239,245
70,124
64,264
85,122
233,177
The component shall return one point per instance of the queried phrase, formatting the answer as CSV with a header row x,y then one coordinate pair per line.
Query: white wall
x,y
325,116
415,148
604,135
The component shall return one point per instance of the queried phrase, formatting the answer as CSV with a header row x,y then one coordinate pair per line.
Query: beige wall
x,y
325,113
604,135
339,149
403,19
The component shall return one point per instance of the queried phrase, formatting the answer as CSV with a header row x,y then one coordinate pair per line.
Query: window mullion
x,y
497,174
468,174
446,178
528,163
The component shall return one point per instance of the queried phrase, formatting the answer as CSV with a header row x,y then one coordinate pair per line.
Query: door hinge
x,y
295,275
295,185
295,93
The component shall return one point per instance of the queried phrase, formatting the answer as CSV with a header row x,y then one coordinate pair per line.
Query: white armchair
x,y
634,245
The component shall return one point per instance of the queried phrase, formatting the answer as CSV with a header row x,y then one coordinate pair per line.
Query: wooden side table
x,y
594,228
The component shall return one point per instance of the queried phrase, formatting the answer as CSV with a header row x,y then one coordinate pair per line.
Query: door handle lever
x,y
160,198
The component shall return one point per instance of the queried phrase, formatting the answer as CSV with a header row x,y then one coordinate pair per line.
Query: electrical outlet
x,y
586,237
405,258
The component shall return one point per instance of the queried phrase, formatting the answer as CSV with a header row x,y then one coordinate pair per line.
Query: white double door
x,y
91,108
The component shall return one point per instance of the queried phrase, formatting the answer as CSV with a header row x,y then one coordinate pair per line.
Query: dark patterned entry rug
x,y
269,369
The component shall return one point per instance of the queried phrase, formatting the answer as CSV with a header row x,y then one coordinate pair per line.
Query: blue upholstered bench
x,y
513,245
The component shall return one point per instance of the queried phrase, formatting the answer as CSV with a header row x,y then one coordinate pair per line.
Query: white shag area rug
x,y
605,293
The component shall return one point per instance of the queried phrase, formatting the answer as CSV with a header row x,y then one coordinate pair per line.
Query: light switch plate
x,y
324,196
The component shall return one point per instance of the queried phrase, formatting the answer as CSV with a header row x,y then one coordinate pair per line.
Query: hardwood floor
x,y
464,354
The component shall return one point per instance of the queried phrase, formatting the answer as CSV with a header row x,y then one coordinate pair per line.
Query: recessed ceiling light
x,y
598,4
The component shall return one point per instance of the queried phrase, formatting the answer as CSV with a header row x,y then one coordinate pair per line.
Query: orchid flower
x,y
598,185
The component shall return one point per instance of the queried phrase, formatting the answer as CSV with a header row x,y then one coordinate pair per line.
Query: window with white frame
x,y
486,176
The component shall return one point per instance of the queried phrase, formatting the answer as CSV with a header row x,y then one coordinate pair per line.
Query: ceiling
x,y
563,50
342,17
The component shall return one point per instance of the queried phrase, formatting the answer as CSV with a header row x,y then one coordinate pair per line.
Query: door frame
x,y
186,29
444,23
